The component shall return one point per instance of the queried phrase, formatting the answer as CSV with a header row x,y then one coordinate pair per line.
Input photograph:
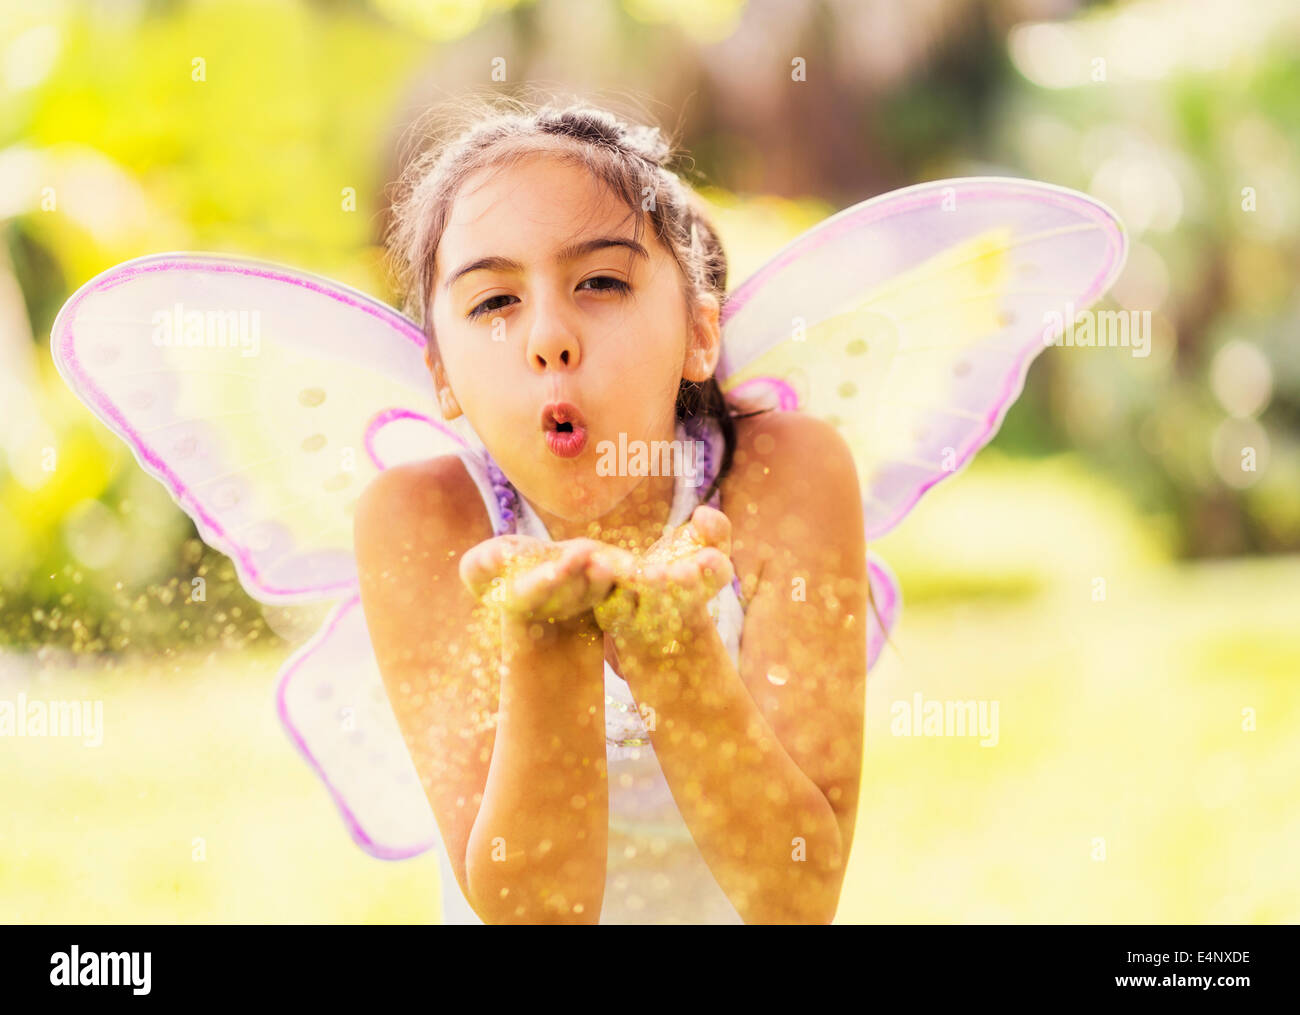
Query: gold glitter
x,y
684,541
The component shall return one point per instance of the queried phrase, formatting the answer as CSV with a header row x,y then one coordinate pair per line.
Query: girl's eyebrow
x,y
572,252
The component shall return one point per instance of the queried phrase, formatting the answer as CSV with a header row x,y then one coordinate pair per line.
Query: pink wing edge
x,y
885,588
74,374
320,642
79,379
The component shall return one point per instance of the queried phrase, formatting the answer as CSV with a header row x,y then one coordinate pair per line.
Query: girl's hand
x,y
672,583
536,580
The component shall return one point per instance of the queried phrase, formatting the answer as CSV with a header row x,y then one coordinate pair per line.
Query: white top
x,y
655,873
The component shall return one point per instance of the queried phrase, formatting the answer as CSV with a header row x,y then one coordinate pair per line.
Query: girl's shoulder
x,y
777,449
432,502
787,467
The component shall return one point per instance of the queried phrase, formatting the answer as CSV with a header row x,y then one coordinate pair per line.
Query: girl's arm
x,y
538,847
439,651
537,850
764,761
765,829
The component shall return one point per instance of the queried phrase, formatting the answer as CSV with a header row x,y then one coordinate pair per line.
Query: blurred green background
x,y
1161,721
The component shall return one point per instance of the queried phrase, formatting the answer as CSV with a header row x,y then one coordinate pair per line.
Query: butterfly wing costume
x,y
266,398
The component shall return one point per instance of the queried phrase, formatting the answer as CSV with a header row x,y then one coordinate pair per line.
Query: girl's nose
x,y
552,343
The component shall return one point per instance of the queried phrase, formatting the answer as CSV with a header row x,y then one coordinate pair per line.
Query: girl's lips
x,y
567,444
562,412
566,429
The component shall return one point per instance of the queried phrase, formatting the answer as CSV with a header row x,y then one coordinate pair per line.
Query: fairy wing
x,y
264,399
909,321
331,699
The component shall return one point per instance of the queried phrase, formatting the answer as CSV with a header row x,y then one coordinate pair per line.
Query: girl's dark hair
x,y
631,159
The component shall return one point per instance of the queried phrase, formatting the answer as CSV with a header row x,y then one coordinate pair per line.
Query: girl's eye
x,y
616,285
483,307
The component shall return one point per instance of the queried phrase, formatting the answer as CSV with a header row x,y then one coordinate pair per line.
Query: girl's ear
x,y
446,400
705,346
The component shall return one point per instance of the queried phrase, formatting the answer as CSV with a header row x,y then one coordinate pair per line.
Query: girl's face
x,y
541,295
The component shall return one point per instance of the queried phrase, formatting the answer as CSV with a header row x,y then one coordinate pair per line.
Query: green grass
x,y
1120,719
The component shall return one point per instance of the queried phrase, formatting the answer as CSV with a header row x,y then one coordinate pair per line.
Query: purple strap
x,y
506,497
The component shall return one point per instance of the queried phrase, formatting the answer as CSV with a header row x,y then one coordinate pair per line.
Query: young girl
x,y
630,698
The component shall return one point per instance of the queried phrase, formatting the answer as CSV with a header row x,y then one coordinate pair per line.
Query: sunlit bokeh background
x,y
1148,760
